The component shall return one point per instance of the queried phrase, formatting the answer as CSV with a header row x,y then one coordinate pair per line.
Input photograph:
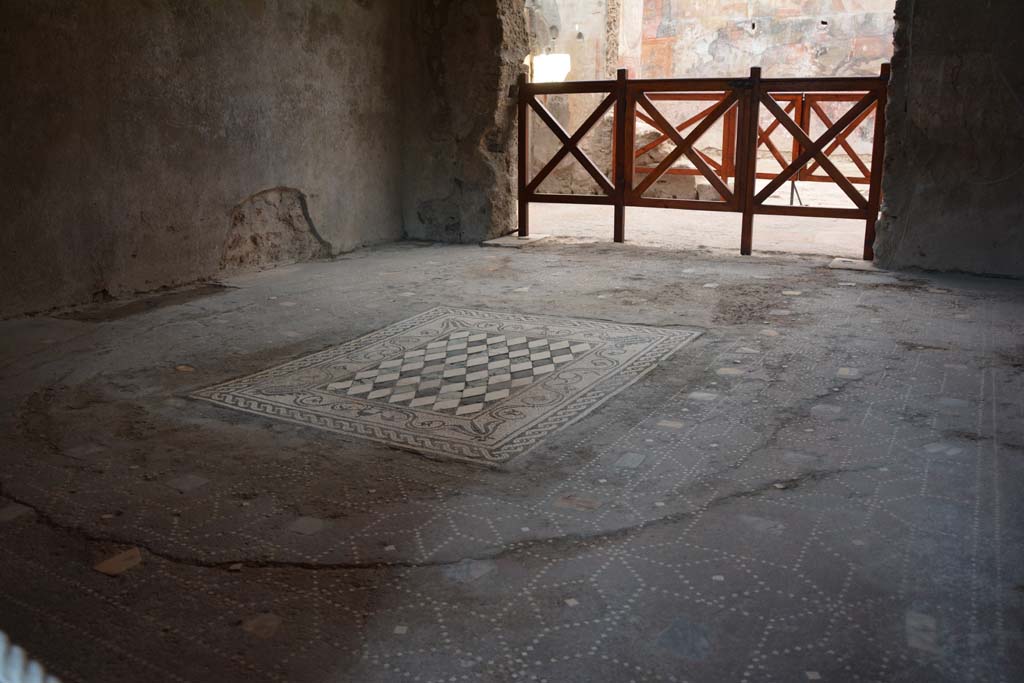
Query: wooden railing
x,y
793,104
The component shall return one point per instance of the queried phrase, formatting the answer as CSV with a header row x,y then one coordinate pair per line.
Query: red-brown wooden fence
x,y
793,104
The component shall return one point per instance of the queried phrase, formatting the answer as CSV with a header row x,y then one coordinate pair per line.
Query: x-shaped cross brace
x,y
813,149
685,145
841,139
764,136
570,144
664,136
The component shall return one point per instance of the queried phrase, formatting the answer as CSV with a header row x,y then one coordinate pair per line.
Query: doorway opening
x,y
685,39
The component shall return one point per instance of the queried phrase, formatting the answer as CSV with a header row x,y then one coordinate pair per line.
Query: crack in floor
x,y
506,550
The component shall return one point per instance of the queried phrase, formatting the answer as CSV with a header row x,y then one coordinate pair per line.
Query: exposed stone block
x,y
270,228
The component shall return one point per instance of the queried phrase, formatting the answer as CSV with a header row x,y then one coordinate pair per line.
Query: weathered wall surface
x,y
269,228
786,38
954,182
712,38
459,139
133,130
579,28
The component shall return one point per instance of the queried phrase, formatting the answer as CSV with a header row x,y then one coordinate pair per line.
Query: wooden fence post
x,y
748,146
804,121
524,155
630,140
621,152
729,146
877,159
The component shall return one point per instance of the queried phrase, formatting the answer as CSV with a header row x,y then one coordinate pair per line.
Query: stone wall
x,y
136,132
954,180
786,38
579,28
152,144
461,60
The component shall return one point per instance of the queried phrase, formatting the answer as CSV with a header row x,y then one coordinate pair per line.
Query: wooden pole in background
x,y
877,159
621,152
750,161
524,156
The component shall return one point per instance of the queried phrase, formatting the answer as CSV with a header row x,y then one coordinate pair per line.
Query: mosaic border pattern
x,y
298,391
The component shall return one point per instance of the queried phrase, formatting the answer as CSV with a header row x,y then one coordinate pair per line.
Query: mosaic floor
x,y
823,486
476,385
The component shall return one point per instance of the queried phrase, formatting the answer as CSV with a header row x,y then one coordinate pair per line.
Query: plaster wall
x,y
579,28
786,38
460,63
133,132
954,181
712,38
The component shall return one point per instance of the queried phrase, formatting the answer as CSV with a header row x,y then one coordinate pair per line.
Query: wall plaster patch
x,y
480,386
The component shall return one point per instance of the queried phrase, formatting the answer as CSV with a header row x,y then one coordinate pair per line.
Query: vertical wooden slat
x,y
742,155
748,145
615,138
630,143
803,119
524,156
620,158
729,145
877,159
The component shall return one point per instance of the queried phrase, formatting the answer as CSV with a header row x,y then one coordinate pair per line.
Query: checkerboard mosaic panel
x,y
475,385
462,373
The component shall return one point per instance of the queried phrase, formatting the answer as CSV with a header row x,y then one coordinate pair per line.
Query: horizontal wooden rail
x,y
680,84
684,96
570,87
801,85
550,198
736,105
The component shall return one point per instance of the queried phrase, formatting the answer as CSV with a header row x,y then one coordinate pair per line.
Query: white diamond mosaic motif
x,y
468,384
462,373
